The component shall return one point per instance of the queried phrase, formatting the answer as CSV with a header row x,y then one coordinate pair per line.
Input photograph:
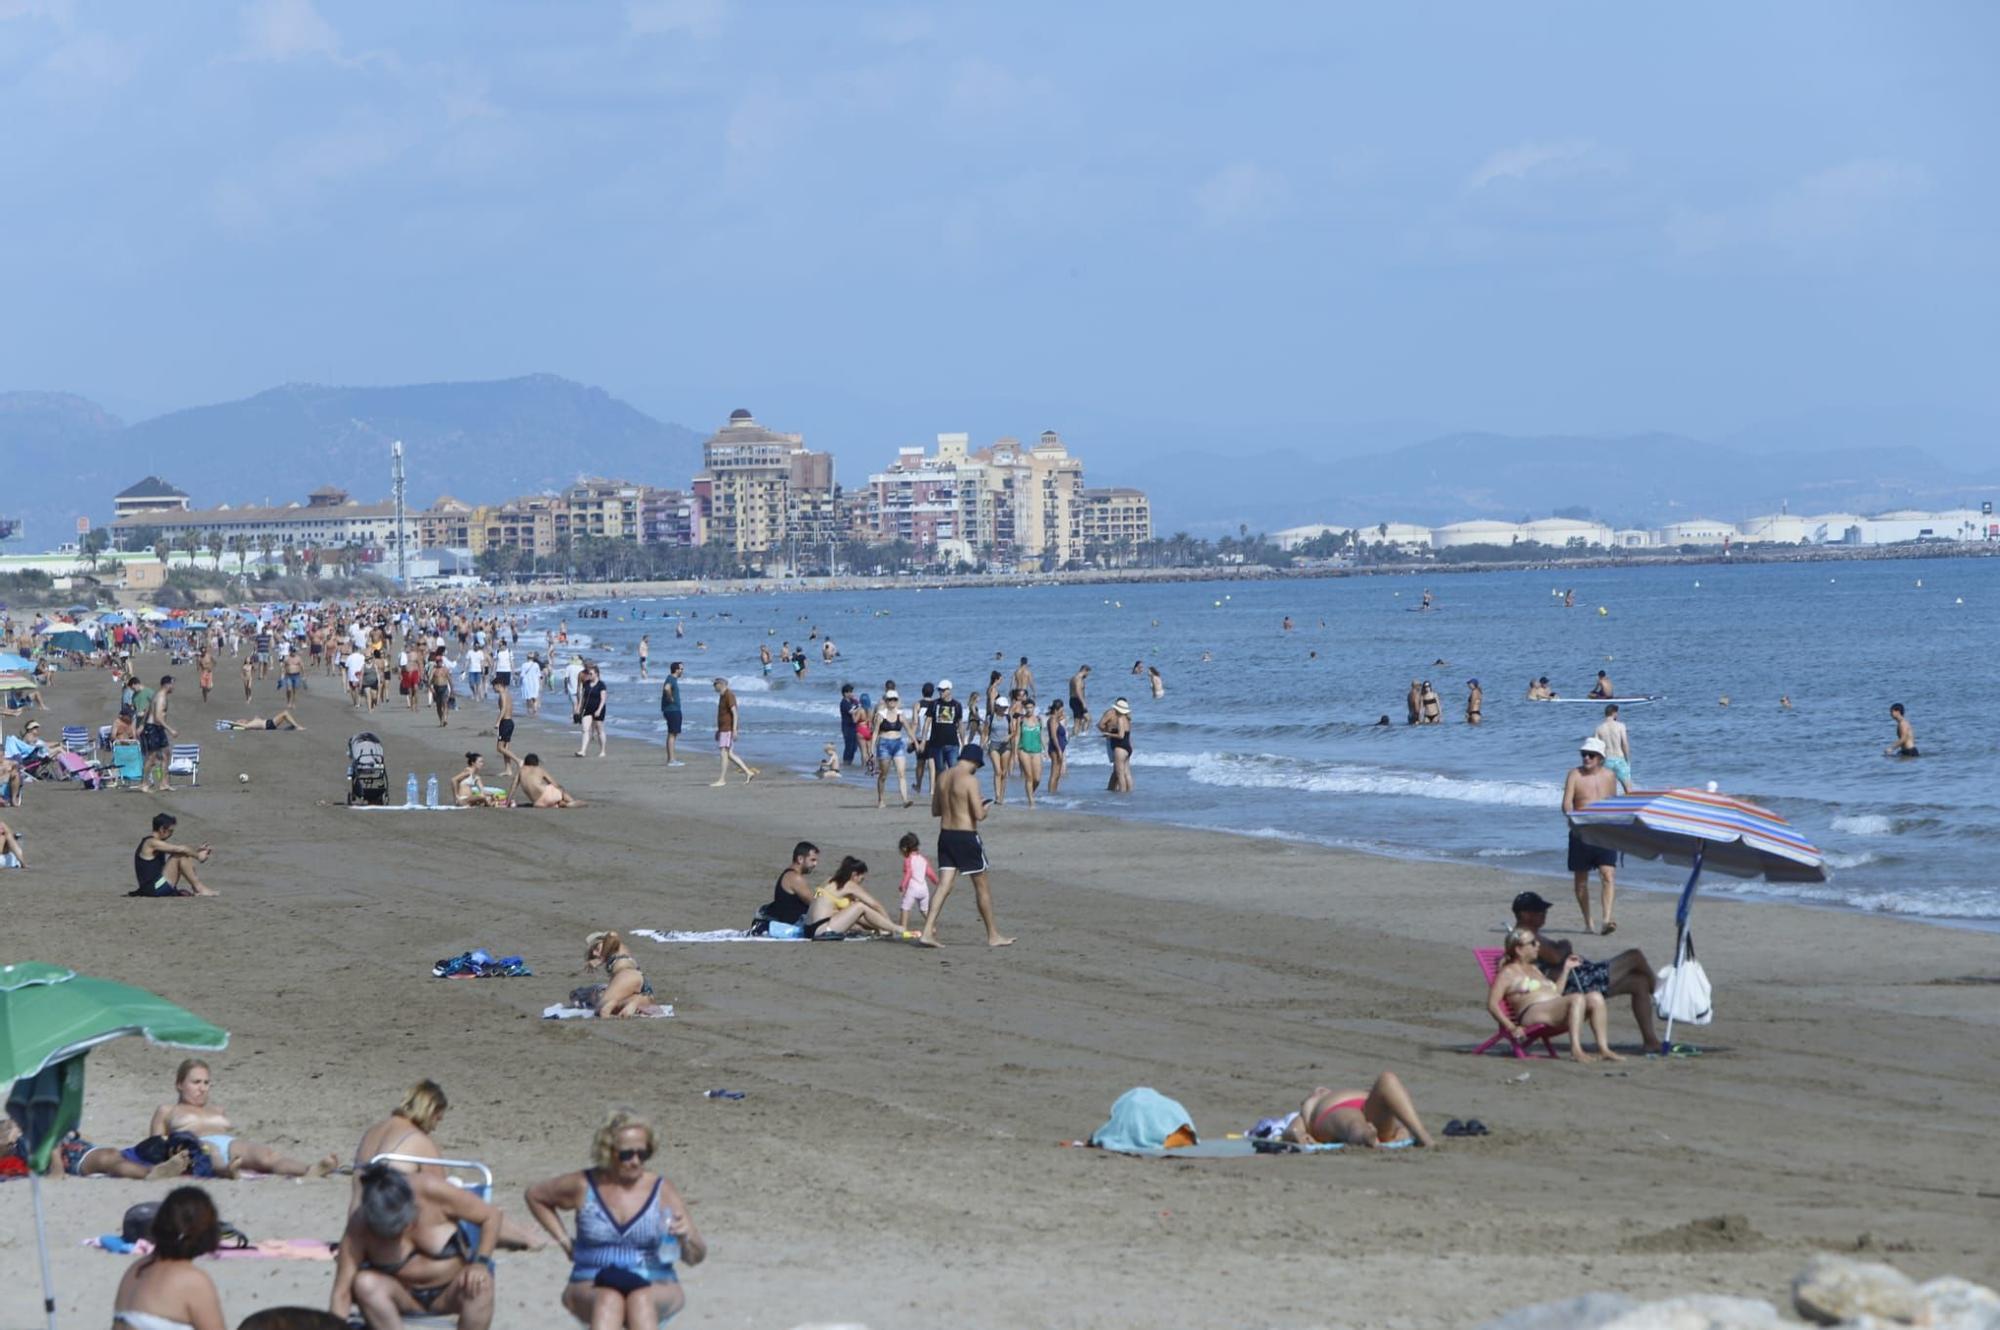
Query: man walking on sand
x,y
727,726
960,809
1617,748
1586,783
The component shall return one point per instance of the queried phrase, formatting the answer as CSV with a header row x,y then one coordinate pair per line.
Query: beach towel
x,y
711,935
1142,1119
270,1249
562,1011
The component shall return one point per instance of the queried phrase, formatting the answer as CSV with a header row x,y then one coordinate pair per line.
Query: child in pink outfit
x,y
918,878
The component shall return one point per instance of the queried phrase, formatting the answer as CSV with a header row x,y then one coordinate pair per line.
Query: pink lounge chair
x,y
1489,964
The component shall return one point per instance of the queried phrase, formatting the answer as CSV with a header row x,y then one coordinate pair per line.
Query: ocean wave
x,y
1269,771
1936,903
1865,824
1835,859
1494,852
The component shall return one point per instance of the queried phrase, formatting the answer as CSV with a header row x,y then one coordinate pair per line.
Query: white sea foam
x,y
1835,859
1865,824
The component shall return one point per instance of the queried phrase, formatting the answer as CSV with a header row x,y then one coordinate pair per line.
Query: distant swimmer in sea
x,y
1602,688
1413,703
1433,707
1208,656
1785,702
1569,600
1159,684
1382,724
1539,690
1906,738
1475,700
1427,599
1288,623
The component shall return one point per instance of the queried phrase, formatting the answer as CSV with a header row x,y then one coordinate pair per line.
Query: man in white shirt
x,y
475,672
531,684
354,665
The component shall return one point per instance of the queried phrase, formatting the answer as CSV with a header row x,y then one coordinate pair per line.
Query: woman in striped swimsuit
x,y
631,1229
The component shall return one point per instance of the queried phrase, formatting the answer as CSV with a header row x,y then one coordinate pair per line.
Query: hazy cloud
x,y
700,19
1824,214
1240,193
285,30
1525,161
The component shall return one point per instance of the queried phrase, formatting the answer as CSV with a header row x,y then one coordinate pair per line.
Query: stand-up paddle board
x,y
1621,701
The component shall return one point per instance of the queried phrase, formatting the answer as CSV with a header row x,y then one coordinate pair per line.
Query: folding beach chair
x,y
1490,959
185,760
128,762
76,738
104,738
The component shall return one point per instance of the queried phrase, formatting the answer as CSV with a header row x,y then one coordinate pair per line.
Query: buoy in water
x,y
1602,610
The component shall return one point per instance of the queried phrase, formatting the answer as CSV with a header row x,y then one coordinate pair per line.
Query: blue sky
x,y
874,222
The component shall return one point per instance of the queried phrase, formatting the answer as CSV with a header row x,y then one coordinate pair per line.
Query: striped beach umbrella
x,y
1729,835
1700,829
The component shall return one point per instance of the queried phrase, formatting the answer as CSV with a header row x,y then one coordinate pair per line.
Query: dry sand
x,y
896,1162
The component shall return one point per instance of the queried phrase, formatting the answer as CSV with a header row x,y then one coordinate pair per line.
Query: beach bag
x,y
1681,993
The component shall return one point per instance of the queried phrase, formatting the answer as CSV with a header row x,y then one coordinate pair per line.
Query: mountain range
x,y
66,456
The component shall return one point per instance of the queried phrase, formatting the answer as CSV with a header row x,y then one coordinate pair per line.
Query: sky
x,y
1243,223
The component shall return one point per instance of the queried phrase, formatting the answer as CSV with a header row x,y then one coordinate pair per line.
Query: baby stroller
x,y
367,772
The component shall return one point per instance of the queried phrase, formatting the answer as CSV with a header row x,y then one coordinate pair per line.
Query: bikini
x,y
456,1247
1313,1127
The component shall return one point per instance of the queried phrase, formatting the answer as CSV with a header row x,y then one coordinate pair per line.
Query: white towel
x,y
712,935
562,1011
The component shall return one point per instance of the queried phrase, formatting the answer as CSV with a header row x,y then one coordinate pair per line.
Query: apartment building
x,y
151,495
763,492
1113,523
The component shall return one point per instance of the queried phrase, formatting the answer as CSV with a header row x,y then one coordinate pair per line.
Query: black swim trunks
x,y
1076,708
1584,857
961,850
1589,977
507,730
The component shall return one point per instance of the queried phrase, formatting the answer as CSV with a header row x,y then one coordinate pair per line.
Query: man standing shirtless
x,y
1079,710
1617,748
960,810
1586,783
1906,738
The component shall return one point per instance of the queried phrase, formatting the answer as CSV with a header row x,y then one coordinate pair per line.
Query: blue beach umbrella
x,y
1699,829
11,663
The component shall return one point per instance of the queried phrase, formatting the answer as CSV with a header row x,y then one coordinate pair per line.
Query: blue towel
x,y
1141,1119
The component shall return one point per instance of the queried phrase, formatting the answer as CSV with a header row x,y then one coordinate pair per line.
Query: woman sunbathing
x,y
1379,1116
842,904
192,1112
624,986
1522,997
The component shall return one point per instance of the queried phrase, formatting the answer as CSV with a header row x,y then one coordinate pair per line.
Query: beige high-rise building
x,y
1113,523
766,492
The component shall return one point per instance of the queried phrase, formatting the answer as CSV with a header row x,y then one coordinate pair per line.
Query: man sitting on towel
x,y
1626,974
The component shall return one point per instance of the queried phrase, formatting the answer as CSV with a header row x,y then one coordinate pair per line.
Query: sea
x,y
1266,732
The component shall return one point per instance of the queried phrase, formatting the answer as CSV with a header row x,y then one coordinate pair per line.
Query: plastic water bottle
x,y
410,792
430,791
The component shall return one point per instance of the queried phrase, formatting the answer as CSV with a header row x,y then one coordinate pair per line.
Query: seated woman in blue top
x,y
631,1227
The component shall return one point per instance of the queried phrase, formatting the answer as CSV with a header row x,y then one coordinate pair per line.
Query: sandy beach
x,y
897,1160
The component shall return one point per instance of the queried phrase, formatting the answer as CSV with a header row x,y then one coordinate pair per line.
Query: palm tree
x,y
239,545
267,544
215,545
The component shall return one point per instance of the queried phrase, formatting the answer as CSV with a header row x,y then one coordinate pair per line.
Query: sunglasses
x,y
634,1156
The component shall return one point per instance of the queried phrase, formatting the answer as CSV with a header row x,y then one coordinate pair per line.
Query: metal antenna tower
x,y
402,554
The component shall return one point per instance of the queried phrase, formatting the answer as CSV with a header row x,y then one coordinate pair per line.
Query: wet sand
x,y
897,1160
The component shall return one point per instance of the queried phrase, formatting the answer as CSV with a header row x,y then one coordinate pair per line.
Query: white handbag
x,y
1681,993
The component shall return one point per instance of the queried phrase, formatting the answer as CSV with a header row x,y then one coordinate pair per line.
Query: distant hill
x,y
477,441
1632,480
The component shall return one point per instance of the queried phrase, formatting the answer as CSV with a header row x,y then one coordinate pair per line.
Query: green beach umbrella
x,y
49,1013
50,1018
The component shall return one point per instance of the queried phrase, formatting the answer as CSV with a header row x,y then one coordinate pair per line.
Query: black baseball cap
x,y
1528,903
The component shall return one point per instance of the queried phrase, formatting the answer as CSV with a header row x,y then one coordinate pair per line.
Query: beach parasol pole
x,y
1681,945
42,1249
